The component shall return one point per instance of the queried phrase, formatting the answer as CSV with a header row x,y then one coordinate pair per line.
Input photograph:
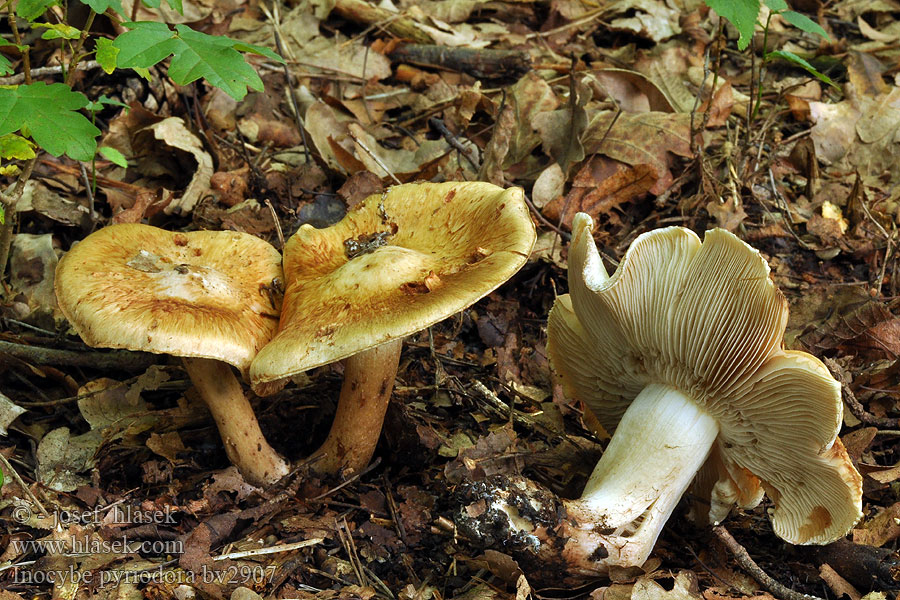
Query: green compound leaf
x,y
50,114
101,6
106,54
195,55
32,9
57,31
741,13
800,62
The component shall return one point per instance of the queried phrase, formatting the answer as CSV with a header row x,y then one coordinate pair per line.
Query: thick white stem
x,y
661,442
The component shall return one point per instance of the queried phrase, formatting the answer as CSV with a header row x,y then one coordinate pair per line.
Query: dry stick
x,y
856,408
398,25
18,479
748,564
481,63
117,359
45,71
8,203
275,16
451,139
374,157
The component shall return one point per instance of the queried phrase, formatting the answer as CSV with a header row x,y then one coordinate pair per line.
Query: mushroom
x,y
202,295
397,263
681,353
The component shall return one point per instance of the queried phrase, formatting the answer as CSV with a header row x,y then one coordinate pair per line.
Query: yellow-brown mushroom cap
x,y
395,264
706,319
200,294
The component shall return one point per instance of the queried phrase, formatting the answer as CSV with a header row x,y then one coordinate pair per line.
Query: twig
x,y
856,408
270,549
374,157
43,71
534,210
275,17
89,190
116,359
371,466
451,139
277,223
15,475
748,564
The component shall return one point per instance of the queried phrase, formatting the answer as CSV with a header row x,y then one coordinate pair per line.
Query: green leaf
x,y
741,13
104,101
32,9
2,222
146,44
114,156
790,56
15,146
101,6
776,6
804,23
106,54
173,4
50,114
195,55
6,67
57,31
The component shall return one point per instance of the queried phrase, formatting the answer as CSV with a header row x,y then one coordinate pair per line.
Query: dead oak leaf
x,y
600,186
649,138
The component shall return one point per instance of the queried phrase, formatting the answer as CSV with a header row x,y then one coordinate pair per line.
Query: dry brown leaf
x,y
562,131
167,445
632,91
600,186
880,529
32,268
640,139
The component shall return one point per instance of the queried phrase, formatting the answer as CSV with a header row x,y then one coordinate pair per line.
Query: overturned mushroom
x,y
200,295
680,353
397,263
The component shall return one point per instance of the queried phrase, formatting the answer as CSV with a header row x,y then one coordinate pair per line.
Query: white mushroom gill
x,y
680,354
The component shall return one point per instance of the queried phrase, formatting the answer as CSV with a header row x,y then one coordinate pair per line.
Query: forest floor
x,y
641,113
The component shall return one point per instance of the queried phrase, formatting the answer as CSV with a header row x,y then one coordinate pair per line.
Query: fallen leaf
x,y
61,458
9,411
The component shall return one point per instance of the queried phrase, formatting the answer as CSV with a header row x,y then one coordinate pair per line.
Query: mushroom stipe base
x,y
662,440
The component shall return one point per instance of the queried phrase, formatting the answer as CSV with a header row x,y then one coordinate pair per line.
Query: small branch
x,y
451,139
8,203
44,71
748,564
394,23
116,359
76,52
482,63
856,408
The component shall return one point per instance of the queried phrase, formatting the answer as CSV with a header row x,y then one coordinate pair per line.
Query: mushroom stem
x,y
245,444
659,445
365,395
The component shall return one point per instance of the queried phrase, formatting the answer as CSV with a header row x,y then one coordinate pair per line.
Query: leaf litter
x,y
630,111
